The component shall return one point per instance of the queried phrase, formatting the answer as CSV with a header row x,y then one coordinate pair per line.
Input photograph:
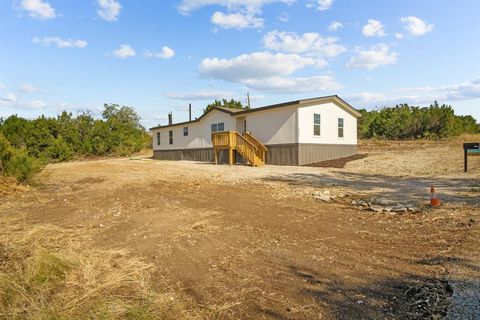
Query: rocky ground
x,y
283,242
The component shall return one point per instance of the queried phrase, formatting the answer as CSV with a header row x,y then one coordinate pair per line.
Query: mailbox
x,y
470,149
471,145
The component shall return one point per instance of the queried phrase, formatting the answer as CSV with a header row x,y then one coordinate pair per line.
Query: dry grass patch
x,y
51,273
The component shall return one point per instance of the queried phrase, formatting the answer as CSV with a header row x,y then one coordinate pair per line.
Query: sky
x,y
159,56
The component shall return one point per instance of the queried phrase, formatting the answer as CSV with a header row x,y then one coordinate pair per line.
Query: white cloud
x,y
9,97
125,51
61,43
187,6
236,20
2,85
335,25
469,90
165,53
34,104
29,88
416,26
38,9
373,28
284,17
399,35
109,9
294,84
373,57
324,4
257,65
200,95
267,71
307,43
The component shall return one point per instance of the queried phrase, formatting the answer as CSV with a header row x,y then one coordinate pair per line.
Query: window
x,y
316,124
340,127
170,137
185,131
218,127
158,138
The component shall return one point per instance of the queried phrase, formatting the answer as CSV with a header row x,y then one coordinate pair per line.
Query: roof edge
x,y
301,102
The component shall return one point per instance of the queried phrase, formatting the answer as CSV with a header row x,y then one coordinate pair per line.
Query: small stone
x,y
354,202
362,203
360,302
376,208
382,201
101,225
399,208
322,197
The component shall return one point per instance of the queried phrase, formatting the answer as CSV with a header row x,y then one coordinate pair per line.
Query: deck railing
x,y
260,150
249,147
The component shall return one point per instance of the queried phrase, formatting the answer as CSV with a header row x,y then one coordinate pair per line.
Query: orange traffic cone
x,y
434,199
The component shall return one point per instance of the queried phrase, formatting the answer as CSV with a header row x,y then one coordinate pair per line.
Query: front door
x,y
241,125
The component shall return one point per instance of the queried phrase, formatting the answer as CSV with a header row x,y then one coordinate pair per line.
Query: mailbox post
x,y
469,147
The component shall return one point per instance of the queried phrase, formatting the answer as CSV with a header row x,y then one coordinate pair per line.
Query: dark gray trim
x,y
291,154
312,152
282,154
199,154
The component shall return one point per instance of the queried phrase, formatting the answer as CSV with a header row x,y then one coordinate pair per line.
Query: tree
x,y
224,103
412,122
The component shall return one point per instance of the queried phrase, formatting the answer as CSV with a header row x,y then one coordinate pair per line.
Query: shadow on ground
x,y
395,188
407,296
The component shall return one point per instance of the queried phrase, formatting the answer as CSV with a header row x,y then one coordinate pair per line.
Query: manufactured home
x,y
292,133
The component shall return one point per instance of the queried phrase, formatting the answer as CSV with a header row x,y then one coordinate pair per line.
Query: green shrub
x,y
411,122
16,162
59,150
119,132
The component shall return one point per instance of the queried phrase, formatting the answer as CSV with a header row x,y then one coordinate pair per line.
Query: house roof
x,y
304,102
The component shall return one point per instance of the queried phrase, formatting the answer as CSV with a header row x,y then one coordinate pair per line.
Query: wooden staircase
x,y
252,150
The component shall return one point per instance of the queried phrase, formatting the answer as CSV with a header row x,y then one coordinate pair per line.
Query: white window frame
x,y
342,128
215,127
319,124
185,131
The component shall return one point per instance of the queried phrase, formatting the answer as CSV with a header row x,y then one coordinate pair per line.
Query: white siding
x,y
199,135
329,113
273,126
270,126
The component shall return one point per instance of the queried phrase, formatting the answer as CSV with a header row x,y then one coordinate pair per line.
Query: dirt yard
x,y
256,243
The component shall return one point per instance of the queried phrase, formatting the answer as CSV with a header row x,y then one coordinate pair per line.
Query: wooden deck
x,y
246,145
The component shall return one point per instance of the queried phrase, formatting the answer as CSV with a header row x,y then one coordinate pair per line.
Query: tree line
x,y
403,122
28,144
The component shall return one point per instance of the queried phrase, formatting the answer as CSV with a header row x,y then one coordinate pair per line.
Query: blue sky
x,y
158,56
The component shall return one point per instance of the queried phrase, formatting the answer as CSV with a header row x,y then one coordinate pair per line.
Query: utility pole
x,y
248,100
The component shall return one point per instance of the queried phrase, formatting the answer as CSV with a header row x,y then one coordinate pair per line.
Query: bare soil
x,y
252,243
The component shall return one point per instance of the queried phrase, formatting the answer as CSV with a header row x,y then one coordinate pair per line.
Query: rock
x,y
399,208
411,208
354,202
322,197
382,201
388,208
360,302
376,208
101,225
362,203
